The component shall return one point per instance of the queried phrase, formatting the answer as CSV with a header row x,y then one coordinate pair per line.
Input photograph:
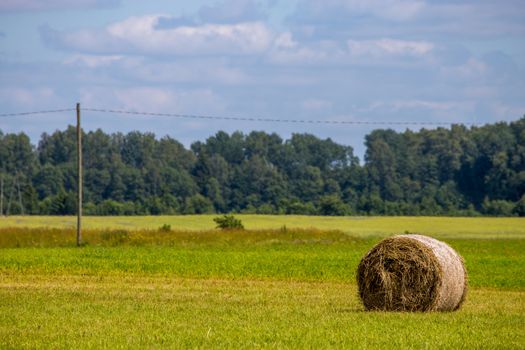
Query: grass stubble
x,y
258,289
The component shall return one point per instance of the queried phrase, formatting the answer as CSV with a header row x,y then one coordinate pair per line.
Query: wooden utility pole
x,y
79,173
1,195
10,197
19,194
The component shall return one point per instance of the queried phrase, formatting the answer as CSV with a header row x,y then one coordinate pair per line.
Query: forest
x,y
456,171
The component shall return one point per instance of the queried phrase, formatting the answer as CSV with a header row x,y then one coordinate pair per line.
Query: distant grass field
x,y
362,226
269,287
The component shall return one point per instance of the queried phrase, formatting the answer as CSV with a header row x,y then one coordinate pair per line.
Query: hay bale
x,y
412,273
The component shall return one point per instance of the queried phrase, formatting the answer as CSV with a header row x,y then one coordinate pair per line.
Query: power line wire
x,y
247,119
36,112
260,119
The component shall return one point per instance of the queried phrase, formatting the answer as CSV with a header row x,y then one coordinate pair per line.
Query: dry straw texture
x,y
412,273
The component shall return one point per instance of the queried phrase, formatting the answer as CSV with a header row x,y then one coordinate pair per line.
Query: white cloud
x,y
287,51
386,46
471,70
423,104
142,35
305,55
285,41
92,61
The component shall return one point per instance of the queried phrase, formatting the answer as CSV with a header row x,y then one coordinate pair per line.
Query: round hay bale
x,y
412,273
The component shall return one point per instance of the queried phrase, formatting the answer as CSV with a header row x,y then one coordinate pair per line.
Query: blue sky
x,y
344,60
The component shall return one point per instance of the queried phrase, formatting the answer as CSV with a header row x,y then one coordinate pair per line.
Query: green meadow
x,y
286,282
359,226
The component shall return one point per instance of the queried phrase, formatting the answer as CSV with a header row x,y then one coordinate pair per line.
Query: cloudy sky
x,y
337,60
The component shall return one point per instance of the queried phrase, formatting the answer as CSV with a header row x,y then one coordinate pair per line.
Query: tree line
x,y
444,171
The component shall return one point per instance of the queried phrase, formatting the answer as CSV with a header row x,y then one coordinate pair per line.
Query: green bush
x,y
228,222
165,228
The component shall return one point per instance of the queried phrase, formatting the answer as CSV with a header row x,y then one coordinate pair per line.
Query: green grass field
x,y
268,287
361,226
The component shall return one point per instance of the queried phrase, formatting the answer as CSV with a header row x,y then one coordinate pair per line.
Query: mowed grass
x,y
265,288
130,312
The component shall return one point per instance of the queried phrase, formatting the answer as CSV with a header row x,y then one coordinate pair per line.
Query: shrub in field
x,y
228,222
165,228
